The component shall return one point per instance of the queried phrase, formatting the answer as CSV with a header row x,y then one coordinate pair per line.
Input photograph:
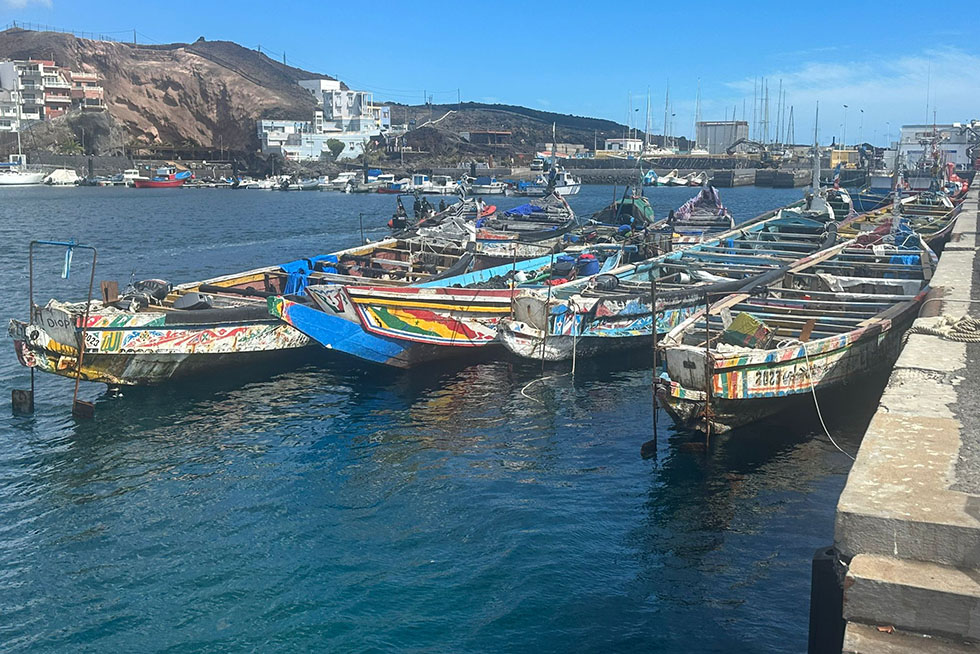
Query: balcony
x,y
54,98
56,83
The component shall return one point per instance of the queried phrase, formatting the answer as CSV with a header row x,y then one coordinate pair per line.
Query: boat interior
x,y
835,296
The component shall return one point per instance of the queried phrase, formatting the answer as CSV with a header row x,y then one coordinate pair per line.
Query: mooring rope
x,y
813,391
964,329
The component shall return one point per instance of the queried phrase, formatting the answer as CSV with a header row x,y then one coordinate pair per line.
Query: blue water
x,y
324,506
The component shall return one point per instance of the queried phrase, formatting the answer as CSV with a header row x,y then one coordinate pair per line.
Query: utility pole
x,y
134,36
283,57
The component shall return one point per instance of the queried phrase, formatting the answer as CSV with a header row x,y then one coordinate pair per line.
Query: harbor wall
x,y
908,520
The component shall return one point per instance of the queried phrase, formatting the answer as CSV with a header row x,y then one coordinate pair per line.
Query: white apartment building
x,y
45,90
350,117
9,120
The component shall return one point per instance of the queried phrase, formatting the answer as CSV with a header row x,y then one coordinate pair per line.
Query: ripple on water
x,y
344,508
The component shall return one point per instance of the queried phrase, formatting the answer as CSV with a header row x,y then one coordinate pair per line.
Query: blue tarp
x,y
523,210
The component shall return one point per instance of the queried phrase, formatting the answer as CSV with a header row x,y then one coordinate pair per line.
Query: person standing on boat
x,y
480,207
442,205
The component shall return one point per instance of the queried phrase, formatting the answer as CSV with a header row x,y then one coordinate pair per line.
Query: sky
x,y
891,63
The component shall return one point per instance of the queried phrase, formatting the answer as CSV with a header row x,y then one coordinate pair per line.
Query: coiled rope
x,y
964,329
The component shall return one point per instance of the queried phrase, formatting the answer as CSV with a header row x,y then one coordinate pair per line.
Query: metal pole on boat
x,y
547,311
360,220
653,330
707,372
80,408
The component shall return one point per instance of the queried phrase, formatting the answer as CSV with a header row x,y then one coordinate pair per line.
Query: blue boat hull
x,y
340,335
869,201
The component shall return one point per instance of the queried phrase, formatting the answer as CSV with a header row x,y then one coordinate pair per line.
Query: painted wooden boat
x,y
826,322
616,313
147,338
408,326
935,227
699,218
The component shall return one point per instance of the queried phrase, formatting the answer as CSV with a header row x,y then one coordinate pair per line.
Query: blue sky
x,y
587,57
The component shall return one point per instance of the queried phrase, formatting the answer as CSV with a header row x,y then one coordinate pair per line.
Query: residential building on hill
x,y
350,117
43,90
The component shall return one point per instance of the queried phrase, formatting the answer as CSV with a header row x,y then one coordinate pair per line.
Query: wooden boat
x,y
407,326
156,333
633,208
826,322
699,218
528,230
165,177
935,227
615,311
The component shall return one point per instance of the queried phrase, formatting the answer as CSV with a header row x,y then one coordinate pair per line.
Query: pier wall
x,y
908,520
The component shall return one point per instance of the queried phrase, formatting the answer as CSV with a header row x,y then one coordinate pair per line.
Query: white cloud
x,y
20,4
887,89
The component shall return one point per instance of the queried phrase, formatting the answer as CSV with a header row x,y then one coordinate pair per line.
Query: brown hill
x,y
201,94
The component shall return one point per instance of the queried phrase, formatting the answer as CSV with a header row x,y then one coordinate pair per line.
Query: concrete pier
x,y
908,521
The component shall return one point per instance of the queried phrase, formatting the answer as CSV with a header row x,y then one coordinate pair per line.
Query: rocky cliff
x,y
204,93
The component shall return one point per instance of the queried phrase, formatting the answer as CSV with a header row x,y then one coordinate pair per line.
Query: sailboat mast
x,y
816,151
666,104
697,113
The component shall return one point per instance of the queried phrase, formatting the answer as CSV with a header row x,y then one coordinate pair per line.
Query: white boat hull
x,y
21,179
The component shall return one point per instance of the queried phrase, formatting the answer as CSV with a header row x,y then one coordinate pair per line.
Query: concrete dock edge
x,y
908,520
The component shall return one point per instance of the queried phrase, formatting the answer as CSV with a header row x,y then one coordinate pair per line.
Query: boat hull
x,y
748,388
21,179
140,349
162,183
338,333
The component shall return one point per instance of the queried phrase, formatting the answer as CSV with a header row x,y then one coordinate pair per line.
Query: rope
x,y
964,329
534,381
816,403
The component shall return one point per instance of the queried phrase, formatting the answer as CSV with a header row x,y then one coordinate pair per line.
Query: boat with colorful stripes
x,y
616,311
826,322
450,317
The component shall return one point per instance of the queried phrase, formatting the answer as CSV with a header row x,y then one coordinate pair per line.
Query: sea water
x,y
325,505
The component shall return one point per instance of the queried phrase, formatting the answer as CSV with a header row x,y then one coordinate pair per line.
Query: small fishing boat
x,y
340,182
540,225
155,332
699,218
824,323
411,325
165,177
934,228
559,181
633,208
615,311
484,185
62,177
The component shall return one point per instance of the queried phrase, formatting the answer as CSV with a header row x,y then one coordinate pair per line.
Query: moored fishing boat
x,y
165,177
615,311
484,185
449,317
156,332
699,218
824,323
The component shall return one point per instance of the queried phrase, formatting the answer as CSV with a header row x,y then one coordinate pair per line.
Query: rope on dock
x,y
964,329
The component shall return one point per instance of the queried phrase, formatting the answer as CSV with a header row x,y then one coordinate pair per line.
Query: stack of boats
x,y
798,299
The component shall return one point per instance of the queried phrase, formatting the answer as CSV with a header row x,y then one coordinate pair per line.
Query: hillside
x,y
202,93
210,93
